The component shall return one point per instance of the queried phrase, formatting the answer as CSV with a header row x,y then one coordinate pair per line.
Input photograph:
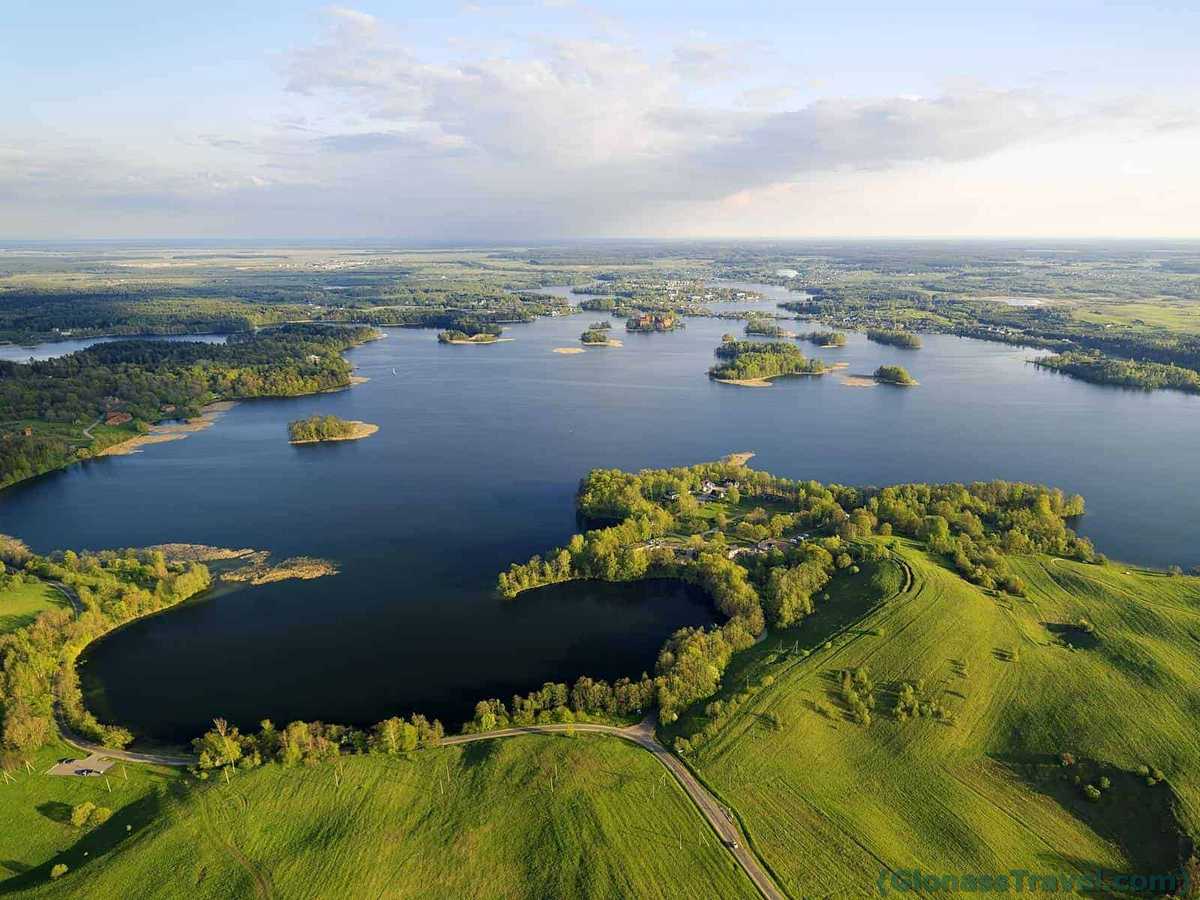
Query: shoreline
x,y
164,433
766,380
611,342
478,343
361,430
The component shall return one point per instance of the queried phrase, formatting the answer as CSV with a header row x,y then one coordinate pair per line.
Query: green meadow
x,y
535,816
982,788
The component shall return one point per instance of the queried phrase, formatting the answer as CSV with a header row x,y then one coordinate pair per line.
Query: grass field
x,y
35,812
20,605
536,816
830,803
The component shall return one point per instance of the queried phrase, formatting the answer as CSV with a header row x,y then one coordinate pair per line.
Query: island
x,y
653,321
597,335
490,335
319,429
753,363
897,375
765,326
832,339
894,337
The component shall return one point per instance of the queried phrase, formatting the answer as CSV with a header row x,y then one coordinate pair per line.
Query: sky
x,y
553,119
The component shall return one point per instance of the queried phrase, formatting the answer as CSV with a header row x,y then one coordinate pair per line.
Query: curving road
x,y
642,734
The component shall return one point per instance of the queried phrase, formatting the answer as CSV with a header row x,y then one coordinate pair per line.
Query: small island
x,y
895,375
764,326
597,335
833,339
318,429
894,337
753,363
653,321
490,335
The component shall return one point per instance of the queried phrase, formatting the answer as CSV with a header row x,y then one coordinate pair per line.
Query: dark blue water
x,y
475,465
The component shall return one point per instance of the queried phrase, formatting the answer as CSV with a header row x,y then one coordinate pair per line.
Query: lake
x,y
478,456
54,349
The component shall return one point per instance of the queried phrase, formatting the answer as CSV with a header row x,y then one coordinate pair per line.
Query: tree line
x,y
152,380
38,661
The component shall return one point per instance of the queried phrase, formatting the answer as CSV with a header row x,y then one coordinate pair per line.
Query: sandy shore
x,y
361,430
858,381
746,382
301,567
738,459
170,431
611,342
479,343
566,350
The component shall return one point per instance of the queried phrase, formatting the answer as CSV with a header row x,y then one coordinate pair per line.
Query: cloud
x,y
553,137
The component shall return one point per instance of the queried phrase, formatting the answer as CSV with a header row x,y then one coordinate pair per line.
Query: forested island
x,y
752,363
65,409
895,375
1097,368
765,327
829,339
488,335
894,338
653,321
315,429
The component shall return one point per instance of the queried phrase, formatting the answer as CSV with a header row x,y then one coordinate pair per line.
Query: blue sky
x,y
550,119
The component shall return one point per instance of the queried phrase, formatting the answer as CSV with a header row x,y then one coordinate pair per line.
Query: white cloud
x,y
568,136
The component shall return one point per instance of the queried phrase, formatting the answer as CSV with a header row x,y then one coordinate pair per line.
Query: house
x,y
708,489
27,431
117,418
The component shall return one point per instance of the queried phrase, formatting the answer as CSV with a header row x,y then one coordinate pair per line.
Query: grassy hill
x,y
21,604
535,816
832,802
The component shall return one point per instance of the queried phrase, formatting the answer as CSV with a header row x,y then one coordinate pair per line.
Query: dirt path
x,y
87,432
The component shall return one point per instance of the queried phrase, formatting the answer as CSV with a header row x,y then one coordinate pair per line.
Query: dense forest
x,y
894,375
768,568
1100,369
763,326
831,339
747,360
320,428
38,660
487,334
49,404
894,338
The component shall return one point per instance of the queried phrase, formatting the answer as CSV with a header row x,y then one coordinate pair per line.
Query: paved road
x,y
642,734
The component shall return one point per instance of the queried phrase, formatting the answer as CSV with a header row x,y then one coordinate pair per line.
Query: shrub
x,y
1105,783
81,814
59,870
1091,792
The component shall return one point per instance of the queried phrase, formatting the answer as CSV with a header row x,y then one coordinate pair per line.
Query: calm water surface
x,y
18,353
479,452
